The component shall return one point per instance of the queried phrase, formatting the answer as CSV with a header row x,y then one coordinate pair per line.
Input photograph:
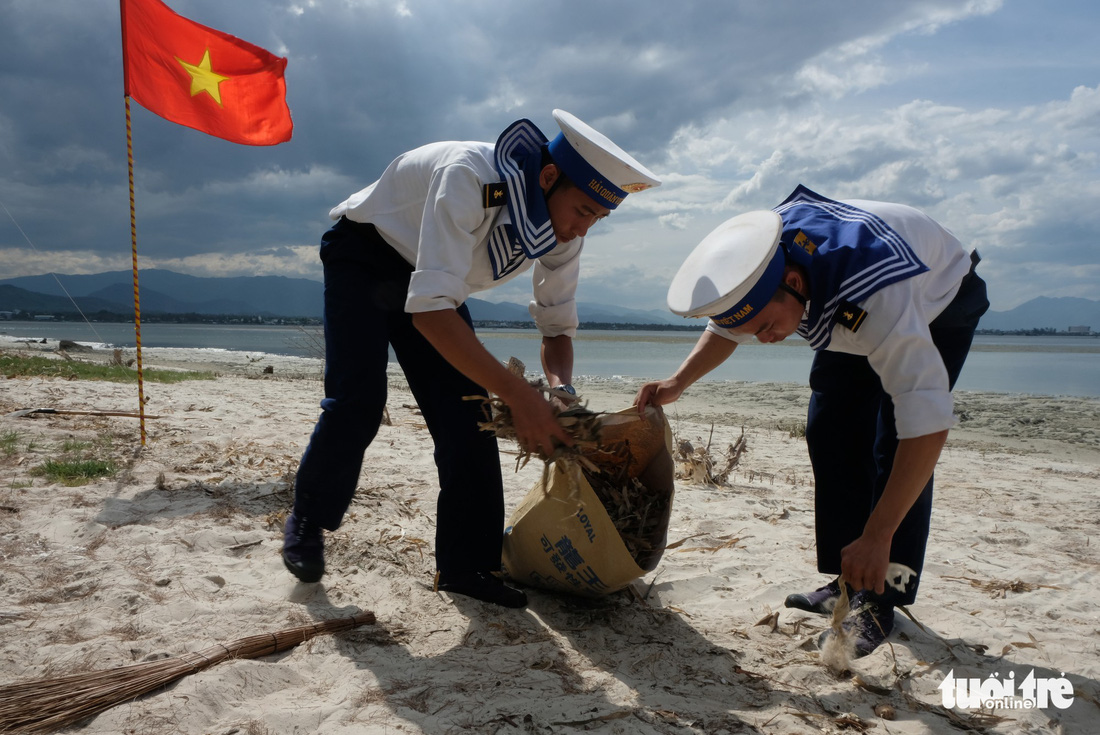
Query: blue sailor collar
x,y
849,253
518,159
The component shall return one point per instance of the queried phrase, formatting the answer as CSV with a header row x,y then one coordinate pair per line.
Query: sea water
x,y
1040,365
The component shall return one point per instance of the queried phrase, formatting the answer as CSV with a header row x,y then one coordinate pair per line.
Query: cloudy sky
x,y
984,113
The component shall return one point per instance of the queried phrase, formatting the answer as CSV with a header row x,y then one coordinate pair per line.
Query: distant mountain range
x,y
167,292
164,292
1045,312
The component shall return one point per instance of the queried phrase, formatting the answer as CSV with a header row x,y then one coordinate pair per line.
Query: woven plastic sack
x,y
561,536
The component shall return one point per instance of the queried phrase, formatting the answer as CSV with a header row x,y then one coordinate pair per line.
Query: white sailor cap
x,y
733,273
598,167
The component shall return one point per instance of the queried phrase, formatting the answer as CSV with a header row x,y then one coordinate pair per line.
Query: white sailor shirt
x,y
428,206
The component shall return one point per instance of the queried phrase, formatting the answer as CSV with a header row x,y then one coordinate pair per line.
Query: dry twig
x,y
580,423
699,467
1000,588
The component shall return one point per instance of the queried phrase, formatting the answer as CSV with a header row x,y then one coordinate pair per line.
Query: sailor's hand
x,y
864,562
536,424
657,393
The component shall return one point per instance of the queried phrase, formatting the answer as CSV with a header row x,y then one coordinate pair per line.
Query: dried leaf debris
x,y
699,467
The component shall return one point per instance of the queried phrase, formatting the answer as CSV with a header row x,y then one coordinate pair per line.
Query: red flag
x,y
203,78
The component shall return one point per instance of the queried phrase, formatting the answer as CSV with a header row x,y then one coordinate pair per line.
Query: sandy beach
x,y
179,551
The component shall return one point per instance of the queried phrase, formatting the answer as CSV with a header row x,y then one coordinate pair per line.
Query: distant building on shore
x,y
1080,330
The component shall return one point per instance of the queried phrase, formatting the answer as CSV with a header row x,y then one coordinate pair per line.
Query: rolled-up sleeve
x,y
452,214
554,283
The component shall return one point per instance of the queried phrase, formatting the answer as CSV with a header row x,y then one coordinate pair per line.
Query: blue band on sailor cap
x,y
583,174
758,296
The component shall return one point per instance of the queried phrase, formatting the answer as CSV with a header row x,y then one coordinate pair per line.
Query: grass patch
x,y
795,429
21,366
9,443
75,472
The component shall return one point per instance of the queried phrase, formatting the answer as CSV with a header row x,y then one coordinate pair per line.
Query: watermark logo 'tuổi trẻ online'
x,y
1004,693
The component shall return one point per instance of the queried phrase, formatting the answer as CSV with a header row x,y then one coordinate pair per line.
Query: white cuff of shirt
x,y
923,412
435,290
554,321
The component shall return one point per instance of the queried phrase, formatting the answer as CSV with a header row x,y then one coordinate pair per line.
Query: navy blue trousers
x,y
366,283
852,440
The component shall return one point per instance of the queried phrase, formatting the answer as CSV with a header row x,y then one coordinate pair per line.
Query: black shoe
x,y
303,548
482,586
870,621
820,601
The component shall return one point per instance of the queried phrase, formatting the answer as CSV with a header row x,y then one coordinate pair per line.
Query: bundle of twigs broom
x,y
48,704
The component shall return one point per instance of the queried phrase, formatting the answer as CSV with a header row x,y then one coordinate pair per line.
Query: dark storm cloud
x,y
366,81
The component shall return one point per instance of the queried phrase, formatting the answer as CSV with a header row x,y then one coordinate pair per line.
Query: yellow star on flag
x,y
203,79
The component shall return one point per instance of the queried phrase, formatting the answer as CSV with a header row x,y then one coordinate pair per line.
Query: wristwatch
x,y
568,389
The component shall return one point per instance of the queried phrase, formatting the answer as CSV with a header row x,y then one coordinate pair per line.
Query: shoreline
x,y
1059,425
1009,369
228,361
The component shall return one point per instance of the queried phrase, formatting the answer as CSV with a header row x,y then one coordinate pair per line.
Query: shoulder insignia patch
x,y
804,242
849,315
494,195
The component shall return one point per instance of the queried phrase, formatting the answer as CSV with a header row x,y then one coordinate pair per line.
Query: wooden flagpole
x,y
133,220
133,251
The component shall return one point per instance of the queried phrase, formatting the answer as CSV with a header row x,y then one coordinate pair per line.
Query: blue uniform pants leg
x,y
841,432
470,507
366,284
360,304
852,440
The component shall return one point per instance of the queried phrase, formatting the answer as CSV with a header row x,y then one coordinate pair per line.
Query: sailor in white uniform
x,y
443,221
889,300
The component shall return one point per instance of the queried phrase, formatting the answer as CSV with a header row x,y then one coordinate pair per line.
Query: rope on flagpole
x,y
133,249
